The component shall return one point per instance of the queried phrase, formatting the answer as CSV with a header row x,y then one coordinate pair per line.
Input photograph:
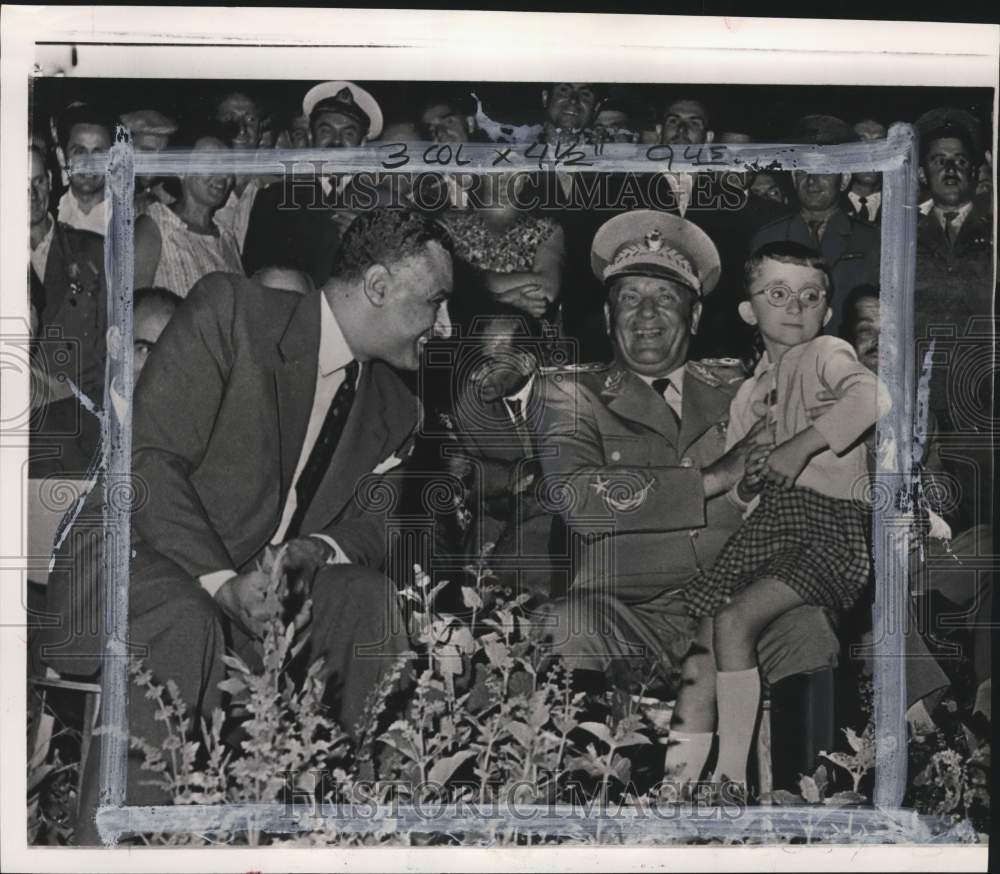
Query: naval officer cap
x,y
646,242
347,99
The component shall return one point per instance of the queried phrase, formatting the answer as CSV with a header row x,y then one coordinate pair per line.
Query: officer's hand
x,y
241,598
756,465
721,475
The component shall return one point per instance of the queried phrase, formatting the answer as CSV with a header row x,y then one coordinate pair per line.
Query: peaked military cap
x,y
646,242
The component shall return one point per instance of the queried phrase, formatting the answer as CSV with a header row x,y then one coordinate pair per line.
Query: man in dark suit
x,y
863,200
494,417
634,457
258,419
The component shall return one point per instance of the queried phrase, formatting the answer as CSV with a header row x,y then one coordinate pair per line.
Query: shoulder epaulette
x,y
717,371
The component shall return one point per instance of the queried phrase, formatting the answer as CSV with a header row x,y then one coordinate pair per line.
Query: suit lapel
x,y
295,382
629,397
361,447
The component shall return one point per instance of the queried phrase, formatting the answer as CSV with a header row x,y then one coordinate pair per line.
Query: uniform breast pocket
x,y
628,451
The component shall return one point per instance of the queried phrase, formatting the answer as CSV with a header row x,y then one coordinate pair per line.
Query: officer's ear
x,y
921,175
545,98
695,315
845,181
827,315
607,317
747,313
710,136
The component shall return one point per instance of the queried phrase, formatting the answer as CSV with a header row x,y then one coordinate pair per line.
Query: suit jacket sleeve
x,y
588,490
177,400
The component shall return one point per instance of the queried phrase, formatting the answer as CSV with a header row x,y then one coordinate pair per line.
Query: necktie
x,y
323,449
863,213
520,425
815,229
660,386
949,227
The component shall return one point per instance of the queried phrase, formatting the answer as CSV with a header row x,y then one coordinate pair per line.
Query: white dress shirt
x,y
872,203
957,222
523,396
70,213
673,394
334,356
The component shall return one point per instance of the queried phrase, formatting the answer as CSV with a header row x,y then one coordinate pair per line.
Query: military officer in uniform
x,y
634,461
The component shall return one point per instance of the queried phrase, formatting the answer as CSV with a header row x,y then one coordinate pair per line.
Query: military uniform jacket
x,y
954,286
628,481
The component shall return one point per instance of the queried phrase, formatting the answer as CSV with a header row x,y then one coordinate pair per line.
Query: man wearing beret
x,y
634,460
295,222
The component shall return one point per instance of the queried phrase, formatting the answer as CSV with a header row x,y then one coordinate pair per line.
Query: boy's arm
x,y
862,399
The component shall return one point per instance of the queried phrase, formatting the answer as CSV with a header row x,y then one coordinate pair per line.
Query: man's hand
x,y
528,297
787,461
303,557
721,475
753,477
241,598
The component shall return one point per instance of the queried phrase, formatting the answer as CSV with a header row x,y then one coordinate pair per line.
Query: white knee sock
x,y
687,754
738,699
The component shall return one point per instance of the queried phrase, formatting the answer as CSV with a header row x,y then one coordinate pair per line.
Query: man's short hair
x,y
850,320
83,113
155,296
950,132
385,236
219,95
683,97
822,130
785,252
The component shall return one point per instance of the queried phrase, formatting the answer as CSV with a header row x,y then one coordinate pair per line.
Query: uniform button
x,y
616,456
694,532
686,461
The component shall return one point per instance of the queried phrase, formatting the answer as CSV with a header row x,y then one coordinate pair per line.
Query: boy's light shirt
x,y
817,368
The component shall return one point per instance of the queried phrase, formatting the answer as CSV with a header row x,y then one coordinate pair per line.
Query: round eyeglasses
x,y
779,295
